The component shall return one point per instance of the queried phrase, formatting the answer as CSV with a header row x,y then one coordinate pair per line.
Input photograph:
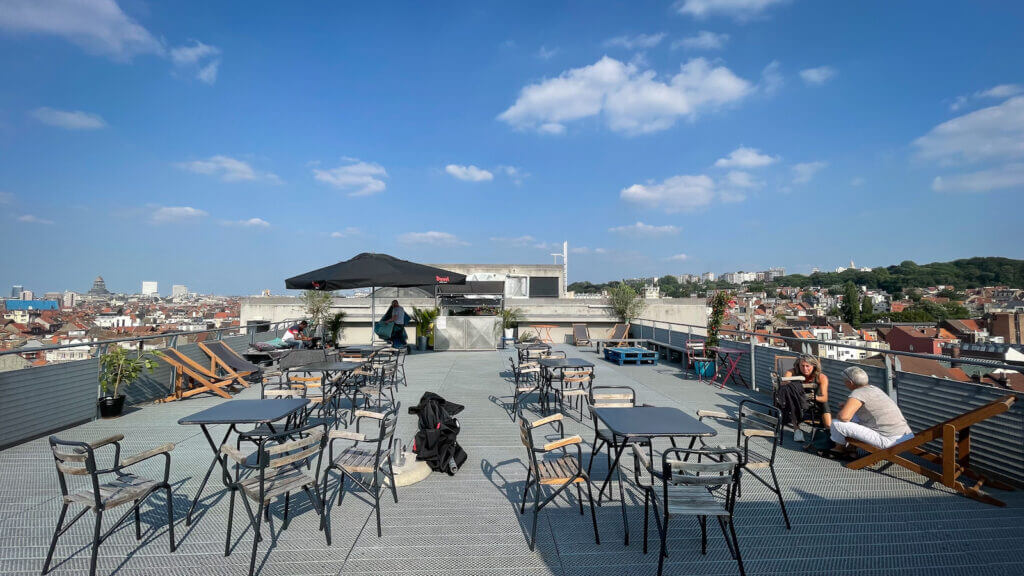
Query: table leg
x,y
729,373
213,464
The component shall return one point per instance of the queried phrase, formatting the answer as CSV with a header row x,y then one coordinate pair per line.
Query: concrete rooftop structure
x,y
868,522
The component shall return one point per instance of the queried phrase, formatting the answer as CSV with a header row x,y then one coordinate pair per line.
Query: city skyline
x,y
153,141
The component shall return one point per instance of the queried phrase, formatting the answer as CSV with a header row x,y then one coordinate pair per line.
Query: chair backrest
x,y
754,415
782,365
580,332
703,467
526,437
553,354
571,375
387,423
185,364
296,392
77,459
228,357
612,397
619,331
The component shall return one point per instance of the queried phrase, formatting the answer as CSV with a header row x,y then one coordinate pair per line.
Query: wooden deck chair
x,y
202,380
619,332
953,462
580,335
222,357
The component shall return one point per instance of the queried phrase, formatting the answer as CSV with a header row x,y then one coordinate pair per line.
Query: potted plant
x,y
510,318
334,328
120,368
719,303
425,318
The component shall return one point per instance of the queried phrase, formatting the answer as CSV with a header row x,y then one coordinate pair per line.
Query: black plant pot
x,y
111,406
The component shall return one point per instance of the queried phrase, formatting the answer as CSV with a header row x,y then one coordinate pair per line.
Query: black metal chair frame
x,y
755,421
608,441
387,422
533,474
79,459
531,373
293,449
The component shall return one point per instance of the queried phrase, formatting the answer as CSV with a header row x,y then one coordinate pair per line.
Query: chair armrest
x,y
576,439
166,448
713,414
233,453
105,441
346,435
547,420
641,457
369,414
759,433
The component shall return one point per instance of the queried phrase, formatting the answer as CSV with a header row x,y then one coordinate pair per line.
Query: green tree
x,y
866,306
850,310
317,306
719,303
625,301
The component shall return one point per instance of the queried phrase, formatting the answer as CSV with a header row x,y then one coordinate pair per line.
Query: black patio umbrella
x,y
369,270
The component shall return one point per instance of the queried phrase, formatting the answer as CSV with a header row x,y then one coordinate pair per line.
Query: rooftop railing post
x,y
753,365
889,376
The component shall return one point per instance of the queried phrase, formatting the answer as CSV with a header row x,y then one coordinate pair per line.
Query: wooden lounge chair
x,y
580,335
201,379
953,462
620,332
222,357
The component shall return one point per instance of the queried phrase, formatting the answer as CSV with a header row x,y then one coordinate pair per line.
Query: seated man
x,y
295,336
869,415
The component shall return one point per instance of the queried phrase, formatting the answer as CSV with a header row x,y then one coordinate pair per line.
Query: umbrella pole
x,y
373,314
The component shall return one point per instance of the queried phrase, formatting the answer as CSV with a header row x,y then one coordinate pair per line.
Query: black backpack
x,y
436,441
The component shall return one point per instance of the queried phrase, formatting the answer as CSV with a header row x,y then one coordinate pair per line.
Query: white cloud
x,y
645,229
469,173
432,237
517,241
988,134
739,9
346,232
359,178
69,119
586,250
743,157
30,219
99,26
703,40
250,223
637,42
545,53
199,59
739,179
630,100
805,171
676,194
771,78
817,76
166,214
208,73
228,169
996,92
1010,176
678,257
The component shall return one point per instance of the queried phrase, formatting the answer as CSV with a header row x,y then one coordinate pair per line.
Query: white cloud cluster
x,y
744,157
678,257
170,214
739,9
639,228
228,169
676,194
469,173
248,223
637,42
346,232
702,40
996,92
102,28
817,76
631,100
545,53
990,139
804,172
69,119
358,178
586,250
432,237
30,219
525,240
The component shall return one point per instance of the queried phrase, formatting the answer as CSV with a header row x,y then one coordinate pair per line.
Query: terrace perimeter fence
x,y
42,400
997,444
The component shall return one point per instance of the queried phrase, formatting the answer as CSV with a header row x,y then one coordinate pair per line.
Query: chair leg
x,y
778,492
170,518
526,490
732,541
703,534
536,512
56,534
95,542
593,513
664,541
647,503
231,518
391,475
256,538
376,508
287,500
318,504
138,522
341,488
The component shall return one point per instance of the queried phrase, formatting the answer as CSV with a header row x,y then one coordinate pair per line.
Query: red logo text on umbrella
x,y
441,279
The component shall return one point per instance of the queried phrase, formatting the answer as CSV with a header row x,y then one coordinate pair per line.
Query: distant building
x,y
16,291
55,296
179,291
708,276
99,287
27,295
70,299
921,340
150,288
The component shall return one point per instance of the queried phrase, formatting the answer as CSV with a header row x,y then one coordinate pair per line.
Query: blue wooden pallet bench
x,y
632,354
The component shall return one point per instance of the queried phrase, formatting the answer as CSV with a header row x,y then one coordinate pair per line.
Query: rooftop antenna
x,y
565,265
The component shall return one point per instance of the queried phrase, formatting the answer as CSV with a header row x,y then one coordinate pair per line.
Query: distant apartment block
x,y
150,288
179,291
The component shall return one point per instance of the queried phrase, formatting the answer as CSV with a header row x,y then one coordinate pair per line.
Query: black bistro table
x,y
365,349
331,368
235,413
522,348
645,422
550,365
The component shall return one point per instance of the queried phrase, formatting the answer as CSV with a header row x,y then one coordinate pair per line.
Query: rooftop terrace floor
x,y
844,522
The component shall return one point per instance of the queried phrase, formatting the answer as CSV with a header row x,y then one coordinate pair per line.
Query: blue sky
x,y
229,145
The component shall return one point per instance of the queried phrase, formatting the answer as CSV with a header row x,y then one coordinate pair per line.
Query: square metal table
x,y
234,413
549,365
330,368
645,422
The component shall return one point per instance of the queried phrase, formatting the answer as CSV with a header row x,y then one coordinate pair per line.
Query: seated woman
x,y
809,367
869,415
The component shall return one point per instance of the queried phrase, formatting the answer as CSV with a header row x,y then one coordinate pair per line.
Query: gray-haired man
x,y
869,415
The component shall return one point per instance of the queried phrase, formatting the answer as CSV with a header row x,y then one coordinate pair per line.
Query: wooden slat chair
x,y
685,488
367,460
580,335
610,397
281,461
955,459
222,357
758,437
559,473
79,459
694,351
575,387
379,378
199,379
527,376
619,333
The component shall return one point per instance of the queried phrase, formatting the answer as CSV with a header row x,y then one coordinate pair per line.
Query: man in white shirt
x,y
296,335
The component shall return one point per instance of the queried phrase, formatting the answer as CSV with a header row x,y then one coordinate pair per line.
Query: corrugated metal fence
x,y
997,445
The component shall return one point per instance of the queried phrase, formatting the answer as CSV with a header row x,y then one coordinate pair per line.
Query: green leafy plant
x,y
120,368
425,320
625,301
719,303
317,306
527,336
334,328
510,317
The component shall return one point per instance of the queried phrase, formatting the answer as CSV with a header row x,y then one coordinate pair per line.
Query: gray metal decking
x,y
867,522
